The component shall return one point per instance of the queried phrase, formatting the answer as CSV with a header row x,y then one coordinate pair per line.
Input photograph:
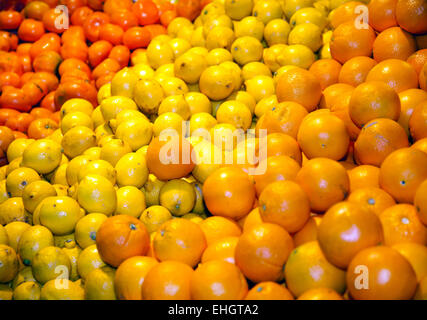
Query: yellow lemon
x,y
13,210
123,83
244,97
33,239
103,131
246,49
224,135
217,56
235,113
260,87
27,291
48,263
154,216
217,21
265,104
212,9
136,133
61,190
159,54
325,52
220,37
126,115
143,71
297,55
77,140
99,167
68,290
178,196
132,170
167,121
89,260
189,67
176,24
205,159
59,176
309,15
267,10
16,148
4,238
3,191
130,201
162,38
148,94
173,86
35,192
165,70
199,50
185,33
249,26
25,274
56,136
307,34
111,106
72,250
87,227
14,232
74,168
177,104
179,45
18,179
65,240
104,92
6,292
113,150
99,284
198,102
42,155
237,10
151,190
198,37
75,119
216,83
9,263
96,194
235,73
277,32
199,206
201,121
13,165
94,153
292,6
253,69
74,105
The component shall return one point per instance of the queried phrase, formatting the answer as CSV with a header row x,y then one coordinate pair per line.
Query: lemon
x,y
132,170
309,15
104,92
249,26
212,9
238,9
246,49
220,37
33,239
265,104
65,240
198,102
201,121
3,172
97,194
74,105
77,140
27,291
307,34
151,190
185,33
165,70
325,52
67,290
89,260
267,10
297,55
9,263
35,192
189,67
292,6
235,73
199,206
126,115
50,262
173,86
163,38
111,106
18,179
281,71
178,196
14,164
72,250
130,201
74,168
99,167
159,54
253,69
167,120
61,190
199,50
176,24
245,98
16,148
224,135
113,150
136,133
148,94
74,119
93,153
59,176
6,292
87,227
179,45
198,37
215,83
56,136
193,217
60,214
3,191
143,71
235,113
123,83
13,210
205,159
217,21
14,232
260,87
99,284
25,274
4,238
277,32
177,104
218,55
42,155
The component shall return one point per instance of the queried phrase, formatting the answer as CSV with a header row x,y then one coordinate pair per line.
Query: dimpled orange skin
x,y
420,145
229,192
345,229
325,181
420,202
409,100
355,70
323,135
364,176
168,280
307,268
262,251
374,198
277,168
401,224
402,172
121,237
269,290
416,254
390,276
286,204
320,294
394,43
377,140
217,227
221,249
281,144
218,280
179,240
418,122
334,93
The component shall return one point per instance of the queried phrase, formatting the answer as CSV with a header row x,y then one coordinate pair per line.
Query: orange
x,y
285,117
344,13
364,176
262,251
348,42
421,145
382,14
377,140
372,100
394,43
326,71
412,15
420,202
418,60
355,70
340,108
323,135
334,93
320,294
281,144
269,290
416,254
216,228
345,229
277,168
325,181
130,276
300,86
170,157
307,268
286,204
218,280
179,240
380,273
402,172
221,249
418,121
423,78
398,74
401,224
409,99
168,280
375,199
121,237
252,219
229,192
421,293
308,232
